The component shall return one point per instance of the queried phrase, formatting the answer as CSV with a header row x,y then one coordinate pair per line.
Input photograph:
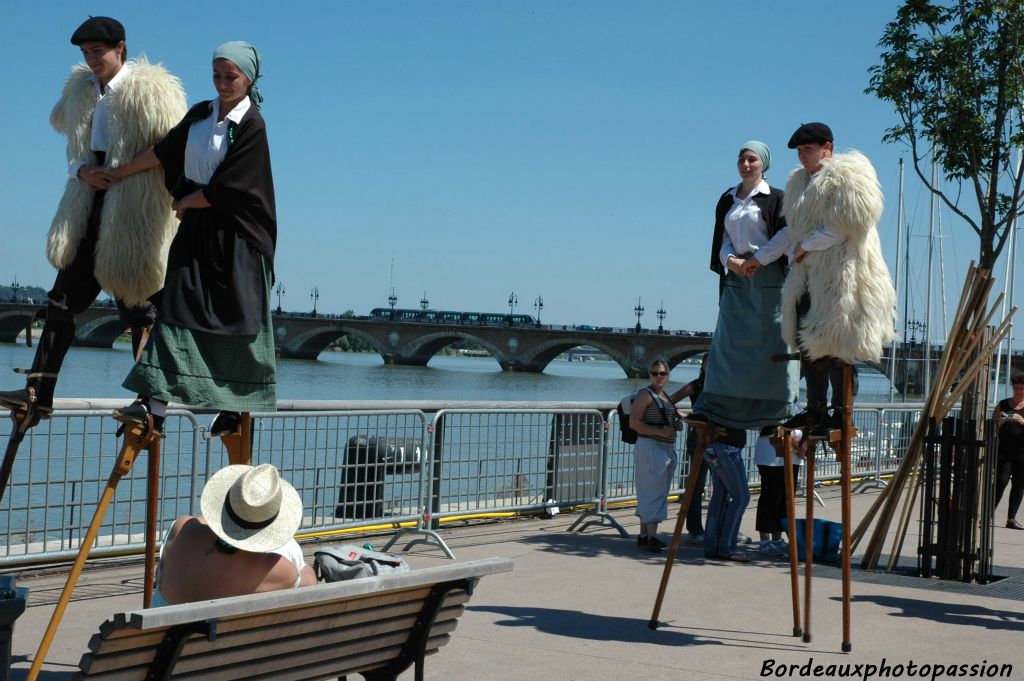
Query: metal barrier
x,y
365,469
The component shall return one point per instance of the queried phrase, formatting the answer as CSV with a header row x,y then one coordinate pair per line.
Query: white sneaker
x,y
743,539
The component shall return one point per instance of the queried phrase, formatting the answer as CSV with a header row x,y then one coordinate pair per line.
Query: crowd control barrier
x,y
404,471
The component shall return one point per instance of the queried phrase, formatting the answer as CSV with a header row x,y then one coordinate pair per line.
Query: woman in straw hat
x,y
243,543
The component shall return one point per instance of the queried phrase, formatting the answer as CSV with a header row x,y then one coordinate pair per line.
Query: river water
x,y
97,373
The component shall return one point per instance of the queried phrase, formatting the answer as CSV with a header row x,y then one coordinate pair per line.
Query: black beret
x,y
810,133
101,29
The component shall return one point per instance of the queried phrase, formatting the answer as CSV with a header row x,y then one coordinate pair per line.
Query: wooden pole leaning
x,y
137,437
239,443
706,434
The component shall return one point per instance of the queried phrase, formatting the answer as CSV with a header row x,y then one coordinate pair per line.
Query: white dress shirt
x,y
207,144
99,139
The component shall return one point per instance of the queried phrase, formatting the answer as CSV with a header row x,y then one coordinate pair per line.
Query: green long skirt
x,y
200,369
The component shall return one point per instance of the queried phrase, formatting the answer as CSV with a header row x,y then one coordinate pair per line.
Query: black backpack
x,y
624,409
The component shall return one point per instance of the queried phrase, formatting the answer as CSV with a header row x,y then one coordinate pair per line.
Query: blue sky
x,y
572,149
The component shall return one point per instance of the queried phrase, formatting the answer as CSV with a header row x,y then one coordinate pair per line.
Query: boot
x,y
54,342
37,394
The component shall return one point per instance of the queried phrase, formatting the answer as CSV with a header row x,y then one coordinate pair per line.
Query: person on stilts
x,y
105,236
213,344
838,301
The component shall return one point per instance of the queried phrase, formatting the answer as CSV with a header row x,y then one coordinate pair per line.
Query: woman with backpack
x,y
653,416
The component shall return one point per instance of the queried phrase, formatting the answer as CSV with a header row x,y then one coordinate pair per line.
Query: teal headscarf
x,y
247,59
762,151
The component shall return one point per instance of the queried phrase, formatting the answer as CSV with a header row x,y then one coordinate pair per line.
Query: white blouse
x,y
207,142
99,135
747,232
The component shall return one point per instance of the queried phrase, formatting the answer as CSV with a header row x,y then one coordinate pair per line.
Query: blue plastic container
x,y
827,537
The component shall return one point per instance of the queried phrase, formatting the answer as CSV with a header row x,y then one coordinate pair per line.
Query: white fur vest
x,y
851,292
137,223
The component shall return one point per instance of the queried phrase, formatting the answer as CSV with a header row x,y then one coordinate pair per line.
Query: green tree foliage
x,y
954,70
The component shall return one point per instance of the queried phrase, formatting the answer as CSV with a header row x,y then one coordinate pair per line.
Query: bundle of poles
x,y
961,377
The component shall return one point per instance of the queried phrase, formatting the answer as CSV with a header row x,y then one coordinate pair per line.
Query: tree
x,y
954,70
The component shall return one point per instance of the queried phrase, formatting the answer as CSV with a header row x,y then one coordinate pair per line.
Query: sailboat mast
x,y
928,288
896,278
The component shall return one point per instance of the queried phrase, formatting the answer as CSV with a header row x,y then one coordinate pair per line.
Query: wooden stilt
x,y
706,434
239,443
23,418
152,516
794,561
846,438
137,438
809,538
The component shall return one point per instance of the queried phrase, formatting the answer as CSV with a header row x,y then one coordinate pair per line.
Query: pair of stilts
x,y
137,438
837,439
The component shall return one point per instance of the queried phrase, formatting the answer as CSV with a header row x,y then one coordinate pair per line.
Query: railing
x,y
371,468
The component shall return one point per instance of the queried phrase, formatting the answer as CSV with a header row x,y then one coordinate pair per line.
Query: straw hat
x,y
253,509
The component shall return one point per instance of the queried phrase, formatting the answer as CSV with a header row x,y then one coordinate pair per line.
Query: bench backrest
x,y
322,631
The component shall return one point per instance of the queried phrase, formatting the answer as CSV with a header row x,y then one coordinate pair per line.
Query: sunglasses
x,y
659,373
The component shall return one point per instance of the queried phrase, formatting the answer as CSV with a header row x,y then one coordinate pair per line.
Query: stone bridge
x,y
516,348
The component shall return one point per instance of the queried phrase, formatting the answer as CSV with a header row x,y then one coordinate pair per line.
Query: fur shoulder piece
x,y
795,185
143,108
76,101
851,195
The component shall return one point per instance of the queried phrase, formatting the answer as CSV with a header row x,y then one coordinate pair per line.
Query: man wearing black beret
x,y
105,236
838,299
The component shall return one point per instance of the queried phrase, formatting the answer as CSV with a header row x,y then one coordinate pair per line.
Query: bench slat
x,y
296,636
124,638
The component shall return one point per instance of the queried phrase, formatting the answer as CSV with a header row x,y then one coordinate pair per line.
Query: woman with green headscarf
x,y
743,387
213,343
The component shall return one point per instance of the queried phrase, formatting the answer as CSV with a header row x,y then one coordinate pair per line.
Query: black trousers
x,y
1010,468
694,524
74,289
822,371
771,504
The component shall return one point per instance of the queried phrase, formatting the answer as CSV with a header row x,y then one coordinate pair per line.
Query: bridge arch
x,y
311,342
13,322
423,348
545,352
100,332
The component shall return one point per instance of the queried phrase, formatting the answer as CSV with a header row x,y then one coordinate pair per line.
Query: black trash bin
x,y
368,460
12,604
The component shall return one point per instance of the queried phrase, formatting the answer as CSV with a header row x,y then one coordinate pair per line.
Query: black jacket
x,y
771,210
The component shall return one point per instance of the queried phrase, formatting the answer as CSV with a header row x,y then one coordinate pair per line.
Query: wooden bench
x,y
375,627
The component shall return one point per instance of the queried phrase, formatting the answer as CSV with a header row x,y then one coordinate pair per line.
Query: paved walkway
x,y
577,606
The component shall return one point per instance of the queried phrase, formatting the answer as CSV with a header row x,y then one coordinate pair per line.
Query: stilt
x,y
846,438
152,516
24,417
239,443
140,336
809,538
136,438
706,434
794,560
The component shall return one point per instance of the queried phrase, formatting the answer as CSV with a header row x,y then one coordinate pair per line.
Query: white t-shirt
x,y
765,455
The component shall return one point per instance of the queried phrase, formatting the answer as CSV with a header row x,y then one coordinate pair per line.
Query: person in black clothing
x,y
1009,418
694,524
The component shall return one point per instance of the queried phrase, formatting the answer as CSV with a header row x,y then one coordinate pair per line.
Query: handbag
x,y
348,561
